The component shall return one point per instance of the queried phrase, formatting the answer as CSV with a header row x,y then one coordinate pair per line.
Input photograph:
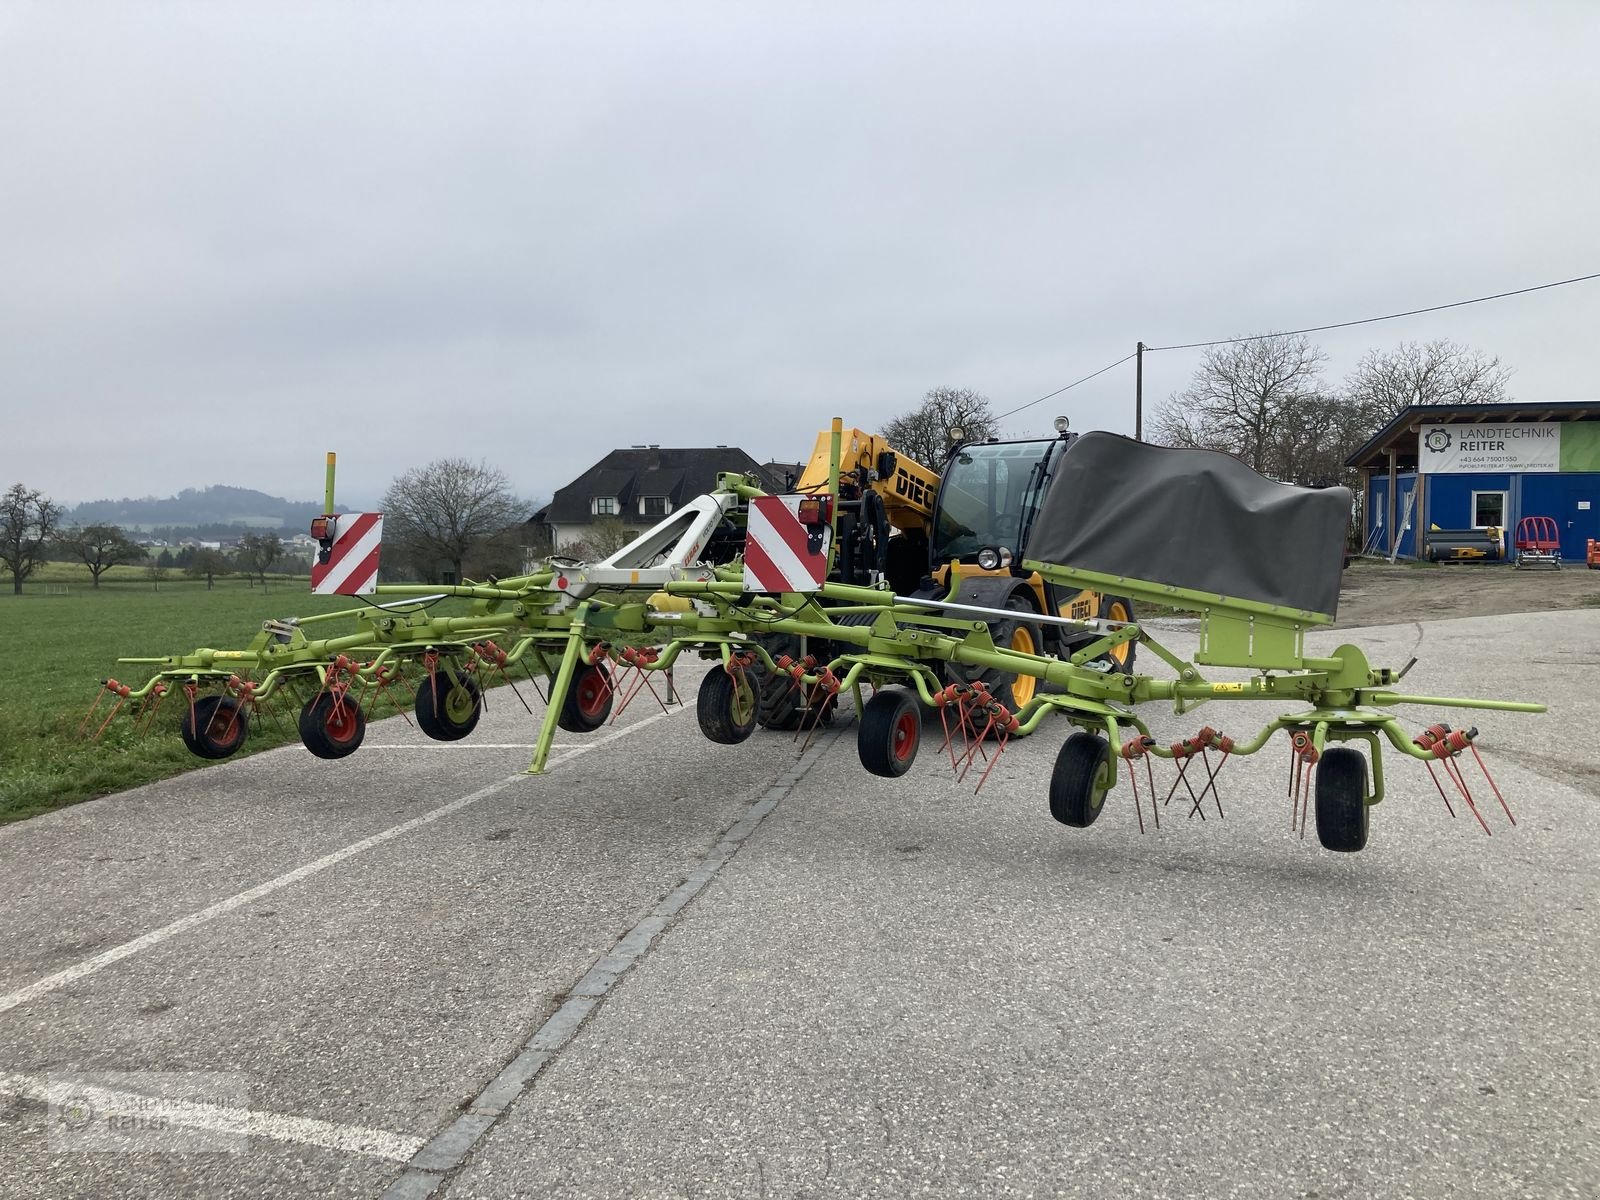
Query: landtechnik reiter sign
x,y
1521,447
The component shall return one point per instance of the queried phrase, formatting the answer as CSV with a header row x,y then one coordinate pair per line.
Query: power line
x,y
1540,287
1068,388
1371,320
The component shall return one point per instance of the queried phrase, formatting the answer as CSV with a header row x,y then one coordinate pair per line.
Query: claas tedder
x,y
719,578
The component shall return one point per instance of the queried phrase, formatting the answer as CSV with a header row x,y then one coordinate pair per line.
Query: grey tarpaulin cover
x,y
1194,519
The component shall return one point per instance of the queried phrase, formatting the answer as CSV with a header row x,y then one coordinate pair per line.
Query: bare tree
x,y
157,571
1245,399
27,523
1386,382
1315,437
601,539
99,547
256,554
207,565
437,514
924,432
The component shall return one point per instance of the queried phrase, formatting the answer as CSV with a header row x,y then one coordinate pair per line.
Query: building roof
x,y
679,474
1400,434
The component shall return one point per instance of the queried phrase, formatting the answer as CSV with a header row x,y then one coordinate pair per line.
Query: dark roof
x,y
1400,433
678,474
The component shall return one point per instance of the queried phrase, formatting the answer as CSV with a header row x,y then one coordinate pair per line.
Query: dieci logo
x,y
1437,441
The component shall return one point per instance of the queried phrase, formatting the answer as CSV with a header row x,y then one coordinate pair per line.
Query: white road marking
x,y
278,1127
116,954
464,745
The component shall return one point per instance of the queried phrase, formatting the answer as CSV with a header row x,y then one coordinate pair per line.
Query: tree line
x,y
441,521
1267,402
31,534
1264,400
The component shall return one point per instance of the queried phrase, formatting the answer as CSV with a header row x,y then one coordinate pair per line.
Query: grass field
x,y
58,647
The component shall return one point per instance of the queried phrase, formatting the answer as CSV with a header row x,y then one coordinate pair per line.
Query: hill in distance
x,y
192,507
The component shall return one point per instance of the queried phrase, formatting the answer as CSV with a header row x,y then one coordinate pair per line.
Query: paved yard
x,y
669,967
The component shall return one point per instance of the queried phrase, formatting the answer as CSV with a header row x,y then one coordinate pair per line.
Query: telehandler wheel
x,y
1011,633
1342,814
890,733
448,707
332,725
215,727
781,705
1119,608
1079,782
588,702
726,707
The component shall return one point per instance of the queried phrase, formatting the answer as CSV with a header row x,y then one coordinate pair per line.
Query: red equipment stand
x,y
1538,543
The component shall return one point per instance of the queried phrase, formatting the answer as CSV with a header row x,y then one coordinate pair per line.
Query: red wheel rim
x,y
340,722
224,730
907,728
592,692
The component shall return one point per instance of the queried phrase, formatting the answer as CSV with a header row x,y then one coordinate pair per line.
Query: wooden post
x,y
1138,391
1394,534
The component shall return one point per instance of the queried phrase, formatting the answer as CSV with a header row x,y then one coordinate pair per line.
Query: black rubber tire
x,y
726,707
332,726
779,702
1080,779
1109,606
1005,634
215,727
448,706
890,733
587,704
782,705
1341,795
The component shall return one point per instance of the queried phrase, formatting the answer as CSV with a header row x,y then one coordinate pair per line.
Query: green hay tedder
x,y
1258,560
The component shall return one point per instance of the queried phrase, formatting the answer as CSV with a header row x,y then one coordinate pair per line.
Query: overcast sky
x,y
234,236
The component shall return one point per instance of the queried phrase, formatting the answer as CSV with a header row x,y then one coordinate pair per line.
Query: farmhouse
x,y
638,487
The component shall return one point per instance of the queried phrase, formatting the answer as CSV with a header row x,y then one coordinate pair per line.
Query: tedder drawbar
x,y
1259,560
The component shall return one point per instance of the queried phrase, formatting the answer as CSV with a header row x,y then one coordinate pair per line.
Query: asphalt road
x,y
671,968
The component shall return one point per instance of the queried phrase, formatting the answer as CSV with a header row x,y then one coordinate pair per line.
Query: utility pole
x,y
1138,391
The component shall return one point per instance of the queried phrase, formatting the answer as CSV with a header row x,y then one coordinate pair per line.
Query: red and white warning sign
x,y
786,544
351,568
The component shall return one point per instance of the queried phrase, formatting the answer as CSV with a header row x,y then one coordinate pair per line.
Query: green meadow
x,y
61,637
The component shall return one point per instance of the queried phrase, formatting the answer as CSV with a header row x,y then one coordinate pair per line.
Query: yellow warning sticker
x,y
1227,687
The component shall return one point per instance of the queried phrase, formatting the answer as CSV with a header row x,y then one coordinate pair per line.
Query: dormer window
x,y
653,506
605,506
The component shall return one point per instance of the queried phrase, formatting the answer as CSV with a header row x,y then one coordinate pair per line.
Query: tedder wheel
x,y
1119,608
1011,633
215,727
448,706
332,725
890,732
1342,800
588,700
726,707
1079,781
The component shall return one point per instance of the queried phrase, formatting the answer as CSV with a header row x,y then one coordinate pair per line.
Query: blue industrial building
x,y
1479,467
